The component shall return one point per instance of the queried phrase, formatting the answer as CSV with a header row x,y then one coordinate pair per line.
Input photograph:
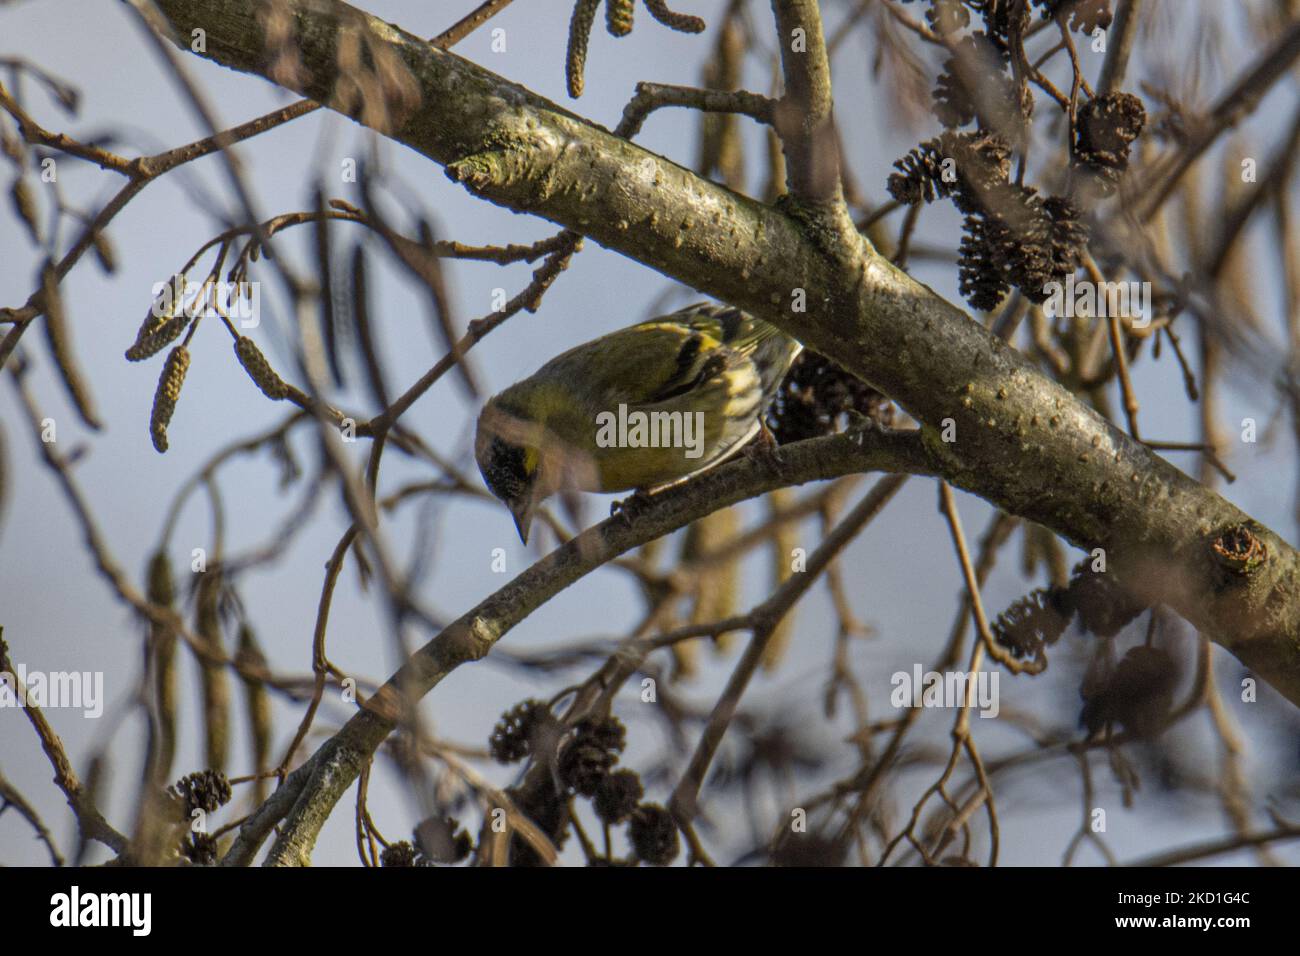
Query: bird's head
x,y
532,443
510,461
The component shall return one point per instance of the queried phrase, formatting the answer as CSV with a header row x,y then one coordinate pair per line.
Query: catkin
x,y
56,333
161,326
584,15
257,705
25,206
717,584
682,22
686,654
212,676
12,146
259,369
784,541
686,658
4,476
104,251
1238,283
154,836
719,593
162,588
162,593
618,17
721,147
155,335
168,391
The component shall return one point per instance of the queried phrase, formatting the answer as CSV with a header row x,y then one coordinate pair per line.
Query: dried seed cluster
x,y
1012,236
1107,127
817,396
1137,694
1103,607
206,790
523,730
585,765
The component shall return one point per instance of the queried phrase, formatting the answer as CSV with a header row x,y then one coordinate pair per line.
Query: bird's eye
x,y
504,470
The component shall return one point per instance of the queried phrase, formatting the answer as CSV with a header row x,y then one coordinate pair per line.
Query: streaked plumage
x,y
539,436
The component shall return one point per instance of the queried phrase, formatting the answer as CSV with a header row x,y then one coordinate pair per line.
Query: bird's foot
x,y
628,508
764,450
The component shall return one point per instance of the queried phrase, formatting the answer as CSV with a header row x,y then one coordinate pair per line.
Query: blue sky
x,y
59,615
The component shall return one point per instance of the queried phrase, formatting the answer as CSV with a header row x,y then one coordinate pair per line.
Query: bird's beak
x,y
523,514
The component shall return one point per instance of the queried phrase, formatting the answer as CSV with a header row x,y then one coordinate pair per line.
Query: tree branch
x,y
804,116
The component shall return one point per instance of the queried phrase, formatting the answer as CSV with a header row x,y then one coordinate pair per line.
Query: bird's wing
x,y
716,392
657,360
715,361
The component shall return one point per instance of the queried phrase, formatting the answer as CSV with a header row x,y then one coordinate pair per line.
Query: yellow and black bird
x,y
639,408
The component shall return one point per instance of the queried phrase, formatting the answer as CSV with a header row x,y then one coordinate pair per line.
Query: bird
x,y
638,409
